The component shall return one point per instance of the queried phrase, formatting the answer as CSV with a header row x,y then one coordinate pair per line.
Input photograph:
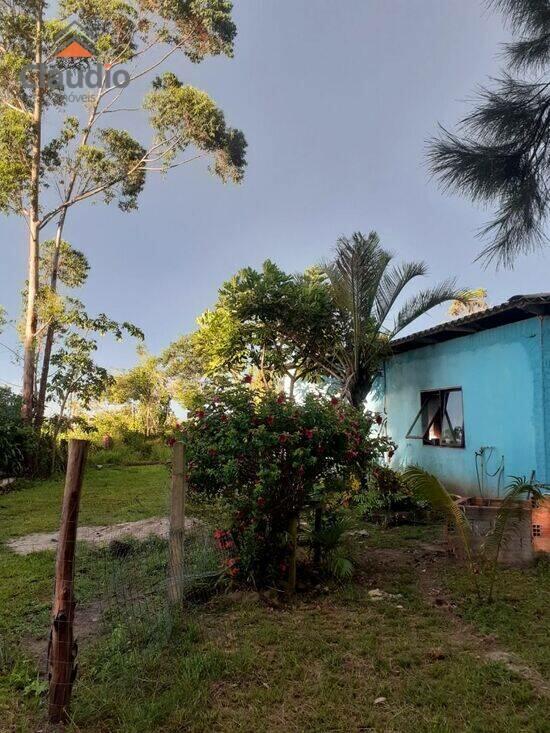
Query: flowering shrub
x,y
272,458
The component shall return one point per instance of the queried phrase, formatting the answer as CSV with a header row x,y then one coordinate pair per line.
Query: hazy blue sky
x,y
336,100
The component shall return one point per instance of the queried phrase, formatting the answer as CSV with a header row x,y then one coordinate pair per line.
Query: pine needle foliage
x,y
500,154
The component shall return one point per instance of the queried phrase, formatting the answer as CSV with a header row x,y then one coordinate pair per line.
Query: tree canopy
x,y
332,323
43,174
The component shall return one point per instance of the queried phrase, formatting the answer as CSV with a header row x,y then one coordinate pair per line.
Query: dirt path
x,y
100,535
425,561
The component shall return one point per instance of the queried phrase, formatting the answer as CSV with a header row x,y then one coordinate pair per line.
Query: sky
x,y
337,101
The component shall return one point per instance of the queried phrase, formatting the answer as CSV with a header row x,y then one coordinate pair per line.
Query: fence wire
x,y
133,583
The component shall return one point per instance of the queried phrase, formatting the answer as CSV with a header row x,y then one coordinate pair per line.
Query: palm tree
x,y
503,152
365,287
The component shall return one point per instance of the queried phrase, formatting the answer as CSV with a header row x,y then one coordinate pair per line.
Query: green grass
x,y
520,615
238,665
109,495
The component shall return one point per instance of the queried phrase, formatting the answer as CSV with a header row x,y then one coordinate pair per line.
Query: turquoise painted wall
x,y
505,378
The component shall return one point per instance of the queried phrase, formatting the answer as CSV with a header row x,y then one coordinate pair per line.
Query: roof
x,y
518,308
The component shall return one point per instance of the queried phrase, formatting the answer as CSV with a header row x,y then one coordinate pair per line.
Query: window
x,y
440,420
537,530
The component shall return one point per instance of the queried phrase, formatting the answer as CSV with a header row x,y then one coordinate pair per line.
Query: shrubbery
x,y
116,439
274,458
23,451
388,498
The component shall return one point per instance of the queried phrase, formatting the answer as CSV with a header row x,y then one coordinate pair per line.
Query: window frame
x,y
425,395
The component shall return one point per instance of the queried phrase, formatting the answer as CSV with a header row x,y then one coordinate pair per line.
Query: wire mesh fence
x,y
132,583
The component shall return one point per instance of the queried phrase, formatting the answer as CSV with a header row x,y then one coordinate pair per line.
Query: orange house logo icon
x,y
73,43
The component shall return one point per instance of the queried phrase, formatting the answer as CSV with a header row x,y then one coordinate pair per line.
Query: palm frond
x,y
518,489
356,271
426,486
424,301
336,549
355,275
391,285
340,566
510,509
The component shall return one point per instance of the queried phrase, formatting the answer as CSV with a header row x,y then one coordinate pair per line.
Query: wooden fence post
x,y
62,649
177,522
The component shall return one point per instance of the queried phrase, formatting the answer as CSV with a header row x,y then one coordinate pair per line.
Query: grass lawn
x,y
237,664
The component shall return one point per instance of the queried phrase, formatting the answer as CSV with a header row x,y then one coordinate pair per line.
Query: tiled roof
x,y
518,308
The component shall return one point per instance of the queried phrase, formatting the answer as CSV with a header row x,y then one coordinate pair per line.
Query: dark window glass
x,y
440,420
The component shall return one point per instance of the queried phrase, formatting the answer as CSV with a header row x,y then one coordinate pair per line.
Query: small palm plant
x,y
426,486
336,552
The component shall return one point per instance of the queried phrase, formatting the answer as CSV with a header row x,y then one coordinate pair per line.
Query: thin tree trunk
x,y
48,344
293,534
41,402
31,317
317,528
291,384
57,429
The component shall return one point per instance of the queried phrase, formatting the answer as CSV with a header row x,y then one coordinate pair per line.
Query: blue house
x,y
469,400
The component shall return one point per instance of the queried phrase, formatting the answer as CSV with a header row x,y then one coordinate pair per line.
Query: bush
x,y
149,451
273,458
388,497
23,450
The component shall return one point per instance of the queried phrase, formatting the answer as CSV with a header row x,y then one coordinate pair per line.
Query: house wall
x,y
504,373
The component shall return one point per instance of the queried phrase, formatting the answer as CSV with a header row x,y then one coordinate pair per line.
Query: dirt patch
x,y
101,535
86,628
427,561
515,665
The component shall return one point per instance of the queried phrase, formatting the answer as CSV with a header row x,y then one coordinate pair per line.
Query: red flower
x,y
247,378
223,417
261,501
308,434
283,437
281,398
199,414
269,420
178,426
171,442
334,401
283,567
234,571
